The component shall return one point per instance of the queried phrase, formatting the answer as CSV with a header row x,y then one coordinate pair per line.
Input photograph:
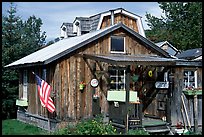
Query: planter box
x,y
21,102
120,96
192,92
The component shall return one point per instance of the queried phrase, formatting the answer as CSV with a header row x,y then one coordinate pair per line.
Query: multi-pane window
x,y
117,44
117,78
25,84
190,78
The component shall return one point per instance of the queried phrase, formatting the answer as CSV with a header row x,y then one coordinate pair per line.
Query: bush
x,y
62,131
94,127
68,130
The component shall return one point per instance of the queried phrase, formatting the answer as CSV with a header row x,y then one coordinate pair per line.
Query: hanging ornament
x,y
150,73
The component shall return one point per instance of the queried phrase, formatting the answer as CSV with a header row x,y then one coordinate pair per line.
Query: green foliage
x,y
19,38
69,130
137,132
181,26
94,127
194,133
15,127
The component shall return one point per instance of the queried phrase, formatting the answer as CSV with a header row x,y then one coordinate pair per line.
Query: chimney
x,y
112,17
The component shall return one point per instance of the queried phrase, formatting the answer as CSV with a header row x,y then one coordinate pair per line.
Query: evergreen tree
x,y
11,28
181,26
18,40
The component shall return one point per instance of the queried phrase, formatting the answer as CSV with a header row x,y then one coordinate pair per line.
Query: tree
x,y
19,38
181,26
31,38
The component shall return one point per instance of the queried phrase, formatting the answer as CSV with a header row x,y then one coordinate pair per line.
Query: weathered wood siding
x,y
176,103
128,21
65,74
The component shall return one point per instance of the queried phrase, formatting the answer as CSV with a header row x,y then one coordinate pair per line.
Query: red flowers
x,y
82,85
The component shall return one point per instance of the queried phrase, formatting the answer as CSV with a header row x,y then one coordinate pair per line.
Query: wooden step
x,y
158,129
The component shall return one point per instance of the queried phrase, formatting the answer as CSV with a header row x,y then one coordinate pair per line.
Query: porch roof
x,y
121,59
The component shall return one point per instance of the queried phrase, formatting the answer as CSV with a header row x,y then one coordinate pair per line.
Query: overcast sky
x,y
53,14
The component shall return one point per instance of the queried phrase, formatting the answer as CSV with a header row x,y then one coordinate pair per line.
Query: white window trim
x,y
195,78
117,51
25,85
165,76
138,20
117,81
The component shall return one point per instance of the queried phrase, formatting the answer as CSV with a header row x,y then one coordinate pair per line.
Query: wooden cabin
x,y
122,61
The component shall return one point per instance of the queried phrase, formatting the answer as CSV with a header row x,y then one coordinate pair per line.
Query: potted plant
x,y
82,85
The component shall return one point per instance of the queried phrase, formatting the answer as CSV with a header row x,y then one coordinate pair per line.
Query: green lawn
x,y
15,127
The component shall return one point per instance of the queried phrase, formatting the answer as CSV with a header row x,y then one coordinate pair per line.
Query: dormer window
x,y
77,23
64,28
117,44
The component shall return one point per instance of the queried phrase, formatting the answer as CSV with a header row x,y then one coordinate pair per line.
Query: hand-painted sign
x,y
163,84
94,83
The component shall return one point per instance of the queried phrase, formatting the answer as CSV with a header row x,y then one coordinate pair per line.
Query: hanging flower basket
x,y
135,78
95,96
82,85
192,91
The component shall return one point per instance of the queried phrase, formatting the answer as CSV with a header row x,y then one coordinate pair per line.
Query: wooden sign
x,y
163,84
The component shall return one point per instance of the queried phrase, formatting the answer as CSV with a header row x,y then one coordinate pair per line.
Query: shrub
x,y
62,131
68,130
94,127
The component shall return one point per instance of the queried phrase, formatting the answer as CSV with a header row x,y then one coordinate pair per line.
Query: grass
x,y
15,127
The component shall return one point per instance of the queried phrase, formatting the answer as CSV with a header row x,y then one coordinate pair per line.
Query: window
x,y
117,44
64,29
117,77
165,76
25,84
44,74
190,78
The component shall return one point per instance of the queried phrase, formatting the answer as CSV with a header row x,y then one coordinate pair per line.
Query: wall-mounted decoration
x,y
94,83
82,85
150,73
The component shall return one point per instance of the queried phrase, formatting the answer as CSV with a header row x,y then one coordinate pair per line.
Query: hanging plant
x,y
135,78
82,85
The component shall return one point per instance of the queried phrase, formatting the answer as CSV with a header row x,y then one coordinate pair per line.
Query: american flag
x,y
44,90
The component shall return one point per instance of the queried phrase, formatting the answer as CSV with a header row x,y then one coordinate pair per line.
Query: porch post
x,y
169,94
127,88
195,107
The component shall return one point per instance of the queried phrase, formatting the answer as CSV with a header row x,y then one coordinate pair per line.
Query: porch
x,y
151,125
127,113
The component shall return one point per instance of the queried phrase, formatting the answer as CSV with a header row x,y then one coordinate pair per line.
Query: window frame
x,y
186,84
124,51
122,81
25,85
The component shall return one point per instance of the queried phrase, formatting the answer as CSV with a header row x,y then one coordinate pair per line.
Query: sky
x,y
53,14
